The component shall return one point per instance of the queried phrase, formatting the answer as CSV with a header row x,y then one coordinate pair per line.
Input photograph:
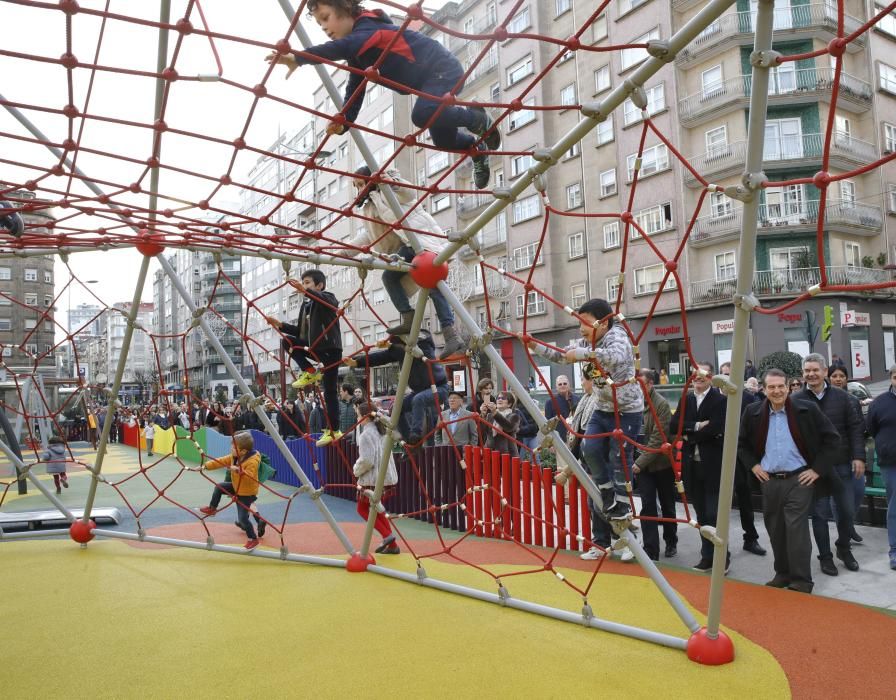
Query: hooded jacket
x,y
412,58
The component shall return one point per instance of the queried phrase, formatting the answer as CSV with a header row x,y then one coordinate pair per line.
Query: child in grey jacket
x,y
370,454
55,458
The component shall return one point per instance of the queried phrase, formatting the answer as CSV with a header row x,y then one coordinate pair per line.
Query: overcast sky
x,y
208,108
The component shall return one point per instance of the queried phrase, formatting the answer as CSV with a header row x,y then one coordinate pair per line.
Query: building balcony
x,y
789,283
785,152
469,205
790,87
839,217
817,21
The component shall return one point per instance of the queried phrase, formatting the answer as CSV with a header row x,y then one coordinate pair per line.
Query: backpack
x,y
265,469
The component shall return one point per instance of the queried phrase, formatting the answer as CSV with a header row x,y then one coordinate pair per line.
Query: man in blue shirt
x,y
788,445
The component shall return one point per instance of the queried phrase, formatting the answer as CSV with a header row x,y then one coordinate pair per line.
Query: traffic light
x,y
828,323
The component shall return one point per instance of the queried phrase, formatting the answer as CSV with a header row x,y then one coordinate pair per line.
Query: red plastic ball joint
x,y
69,145
425,273
264,220
147,246
573,43
80,531
822,179
69,7
135,187
371,74
259,91
69,60
152,162
415,11
837,47
501,34
239,143
56,170
283,47
357,564
626,217
169,74
225,180
708,651
160,125
70,111
671,265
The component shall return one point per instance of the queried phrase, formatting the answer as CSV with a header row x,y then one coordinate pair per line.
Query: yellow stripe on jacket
x,y
245,481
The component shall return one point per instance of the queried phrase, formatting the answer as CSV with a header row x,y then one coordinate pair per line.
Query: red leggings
x,y
382,524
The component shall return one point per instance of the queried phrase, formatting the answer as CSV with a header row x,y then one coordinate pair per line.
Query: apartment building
x,y
140,380
714,76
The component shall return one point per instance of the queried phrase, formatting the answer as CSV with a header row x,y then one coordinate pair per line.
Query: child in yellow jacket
x,y
243,485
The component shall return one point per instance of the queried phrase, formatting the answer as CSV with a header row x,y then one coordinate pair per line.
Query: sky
x,y
210,108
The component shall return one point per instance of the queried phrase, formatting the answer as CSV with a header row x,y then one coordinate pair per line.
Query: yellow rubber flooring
x,y
116,621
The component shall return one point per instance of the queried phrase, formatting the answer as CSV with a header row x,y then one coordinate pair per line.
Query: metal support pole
x,y
564,453
116,385
394,418
262,416
744,301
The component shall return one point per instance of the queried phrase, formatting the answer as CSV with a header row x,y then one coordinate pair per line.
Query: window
x,y
7,352
5,324
495,92
887,76
30,274
565,57
577,247
440,203
629,5
719,205
386,118
647,279
717,142
711,82
523,117
378,296
653,220
491,14
611,235
726,268
525,209
847,193
31,348
889,145
30,324
568,95
562,6
891,198
782,79
436,161
852,254
607,183
524,256
5,273
602,79
656,102
520,70
605,131
577,295
599,28
783,139
519,164
573,151
574,195
531,304
48,300
31,299
348,339
520,21
613,288
783,205
654,159
632,56
887,23
499,182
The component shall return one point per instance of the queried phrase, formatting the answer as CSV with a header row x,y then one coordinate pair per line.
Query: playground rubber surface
x,y
122,620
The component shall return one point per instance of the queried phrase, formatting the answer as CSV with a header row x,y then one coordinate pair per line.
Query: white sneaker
x,y
592,554
626,554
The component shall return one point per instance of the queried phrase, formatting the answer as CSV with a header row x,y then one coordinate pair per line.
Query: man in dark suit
x,y
703,435
790,447
461,424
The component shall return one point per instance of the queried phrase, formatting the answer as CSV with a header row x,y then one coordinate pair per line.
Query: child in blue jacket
x,y
414,62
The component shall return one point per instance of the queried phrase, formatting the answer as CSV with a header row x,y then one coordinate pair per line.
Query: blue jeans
x,y
603,455
889,474
392,284
421,405
443,130
842,494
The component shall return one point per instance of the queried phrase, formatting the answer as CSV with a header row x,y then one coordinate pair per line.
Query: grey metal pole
x,y
508,602
564,453
744,301
410,350
116,384
274,434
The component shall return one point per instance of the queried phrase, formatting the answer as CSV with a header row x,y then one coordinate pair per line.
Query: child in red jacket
x,y
413,62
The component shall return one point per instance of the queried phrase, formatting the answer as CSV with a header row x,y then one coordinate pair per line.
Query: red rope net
x,y
106,198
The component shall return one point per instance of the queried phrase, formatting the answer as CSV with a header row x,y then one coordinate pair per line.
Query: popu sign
x,y
851,318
